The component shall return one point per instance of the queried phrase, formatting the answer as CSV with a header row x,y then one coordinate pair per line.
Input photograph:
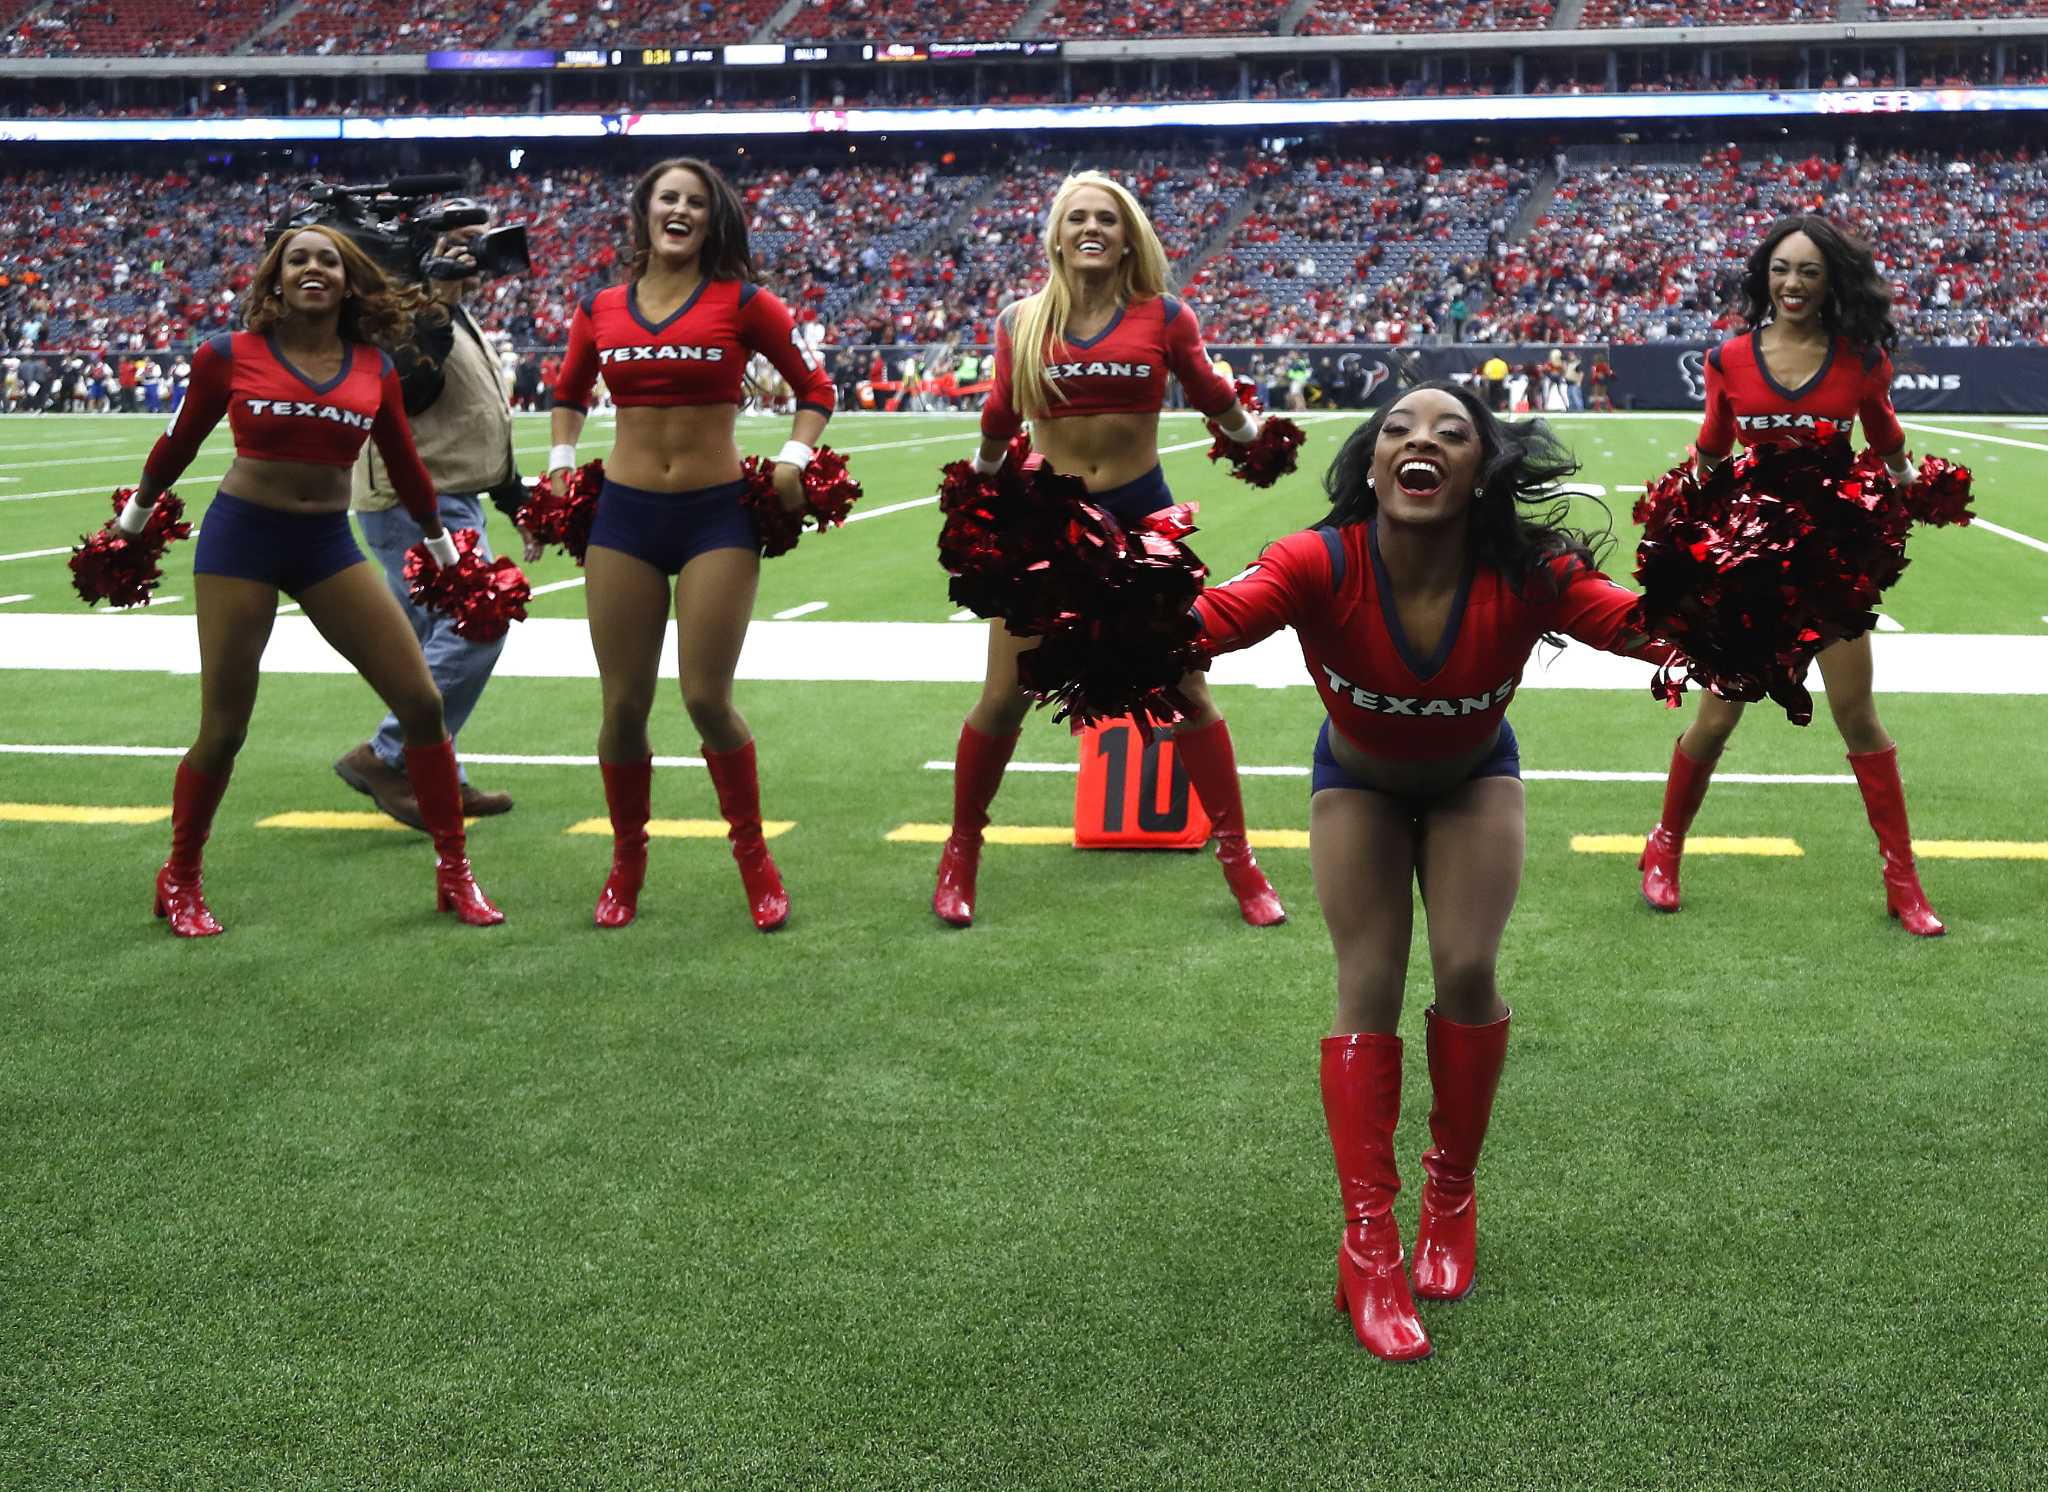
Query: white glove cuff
x,y
442,547
795,453
1245,431
988,468
562,456
134,516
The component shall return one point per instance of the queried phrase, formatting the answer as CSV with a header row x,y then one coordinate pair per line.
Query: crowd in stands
x,y
1089,19
606,23
1352,17
898,20
1630,13
1270,249
360,26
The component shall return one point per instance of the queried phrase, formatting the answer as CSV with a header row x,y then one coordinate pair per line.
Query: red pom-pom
x,y
1272,454
121,569
564,517
484,596
1940,493
1109,606
830,491
1754,569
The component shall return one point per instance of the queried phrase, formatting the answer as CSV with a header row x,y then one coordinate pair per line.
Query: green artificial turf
x,y
355,1197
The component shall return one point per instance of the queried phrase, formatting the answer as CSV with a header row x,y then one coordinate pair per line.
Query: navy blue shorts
x,y
669,529
292,551
1505,760
1134,500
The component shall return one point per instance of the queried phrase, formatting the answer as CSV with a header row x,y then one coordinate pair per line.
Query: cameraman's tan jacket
x,y
464,437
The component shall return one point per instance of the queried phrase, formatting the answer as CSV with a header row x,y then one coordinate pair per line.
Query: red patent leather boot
x,y
180,901
1684,789
738,785
1212,767
1884,799
628,793
437,787
1464,1072
1361,1075
978,763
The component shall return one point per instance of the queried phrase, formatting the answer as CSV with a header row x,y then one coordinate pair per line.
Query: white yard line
x,y
915,502
35,553
1996,440
804,610
2006,533
558,585
482,758
1773,779
22,497
10,600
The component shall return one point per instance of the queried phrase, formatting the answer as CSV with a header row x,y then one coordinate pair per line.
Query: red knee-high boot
x,y
1884,799
628,792
179,898
978,763
1212,767
437,786
1684,790
1362,1102
1464,1072
738,783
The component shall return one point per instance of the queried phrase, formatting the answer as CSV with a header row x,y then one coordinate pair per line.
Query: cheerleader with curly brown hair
x,y
302,387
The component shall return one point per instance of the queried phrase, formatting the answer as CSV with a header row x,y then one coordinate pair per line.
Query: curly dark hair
x,y
1858,304
375,308
725,255
1518,527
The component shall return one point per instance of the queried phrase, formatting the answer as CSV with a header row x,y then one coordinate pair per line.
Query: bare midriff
x,y
1104,450
674,447
288,486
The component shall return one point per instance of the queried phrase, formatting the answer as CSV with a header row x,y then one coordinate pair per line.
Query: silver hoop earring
x,y
1368,484
1478,492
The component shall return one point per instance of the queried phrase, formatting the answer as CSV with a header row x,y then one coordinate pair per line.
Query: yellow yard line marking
x,y
1695,844
683,828
1260,839
77,813
301,819
1981,849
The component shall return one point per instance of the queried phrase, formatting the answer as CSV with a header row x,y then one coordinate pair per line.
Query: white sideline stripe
x,y
22,497
1763,778
1996,440
558,585
10,600
2006,533
483,758
804,610
35,553
939,653
288,608
915,502
968,616
1888,624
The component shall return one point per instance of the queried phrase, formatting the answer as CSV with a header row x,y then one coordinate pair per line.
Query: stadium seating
x,y
878,20
570,23
142,28
1348,17
1617,13
363,26
1079,19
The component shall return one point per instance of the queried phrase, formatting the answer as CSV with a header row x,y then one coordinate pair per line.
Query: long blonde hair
x,y
1041,319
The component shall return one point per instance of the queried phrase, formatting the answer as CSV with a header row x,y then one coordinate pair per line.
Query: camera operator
x,y
462,426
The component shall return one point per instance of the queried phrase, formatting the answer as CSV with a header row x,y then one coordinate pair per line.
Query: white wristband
x,y
561,456
989,468
442,547
134,516
1245,431
794,453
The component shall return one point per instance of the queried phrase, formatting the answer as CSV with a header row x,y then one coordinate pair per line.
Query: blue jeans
x,y
460,667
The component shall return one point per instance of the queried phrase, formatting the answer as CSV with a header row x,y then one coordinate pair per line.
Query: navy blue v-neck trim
x,y
1086,342
348,357
1423,669
1790,396
633,306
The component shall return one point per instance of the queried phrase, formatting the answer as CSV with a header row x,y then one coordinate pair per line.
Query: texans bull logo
x,y
1692,367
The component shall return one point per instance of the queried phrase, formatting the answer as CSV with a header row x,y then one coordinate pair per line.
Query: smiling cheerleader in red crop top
x,y
672,346
302,389
1813,364
1417,605
1086,361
